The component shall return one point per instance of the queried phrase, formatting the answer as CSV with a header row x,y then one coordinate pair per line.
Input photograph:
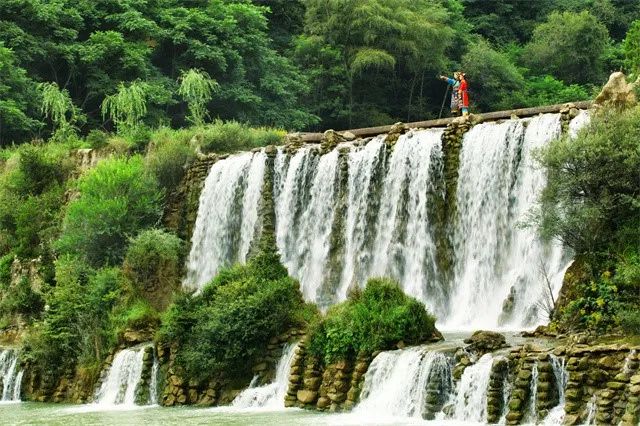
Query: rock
x,y
312,383
485,341
307,396
348,136
617,92
323,403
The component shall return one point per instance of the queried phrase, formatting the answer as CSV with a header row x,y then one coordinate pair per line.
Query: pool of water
x,y
27,413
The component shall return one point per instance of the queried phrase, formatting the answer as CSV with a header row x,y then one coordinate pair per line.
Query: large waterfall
x,y
270,396
366,210
124,379
10,375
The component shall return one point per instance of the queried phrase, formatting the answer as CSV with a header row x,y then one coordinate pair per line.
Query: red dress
x,y
462,94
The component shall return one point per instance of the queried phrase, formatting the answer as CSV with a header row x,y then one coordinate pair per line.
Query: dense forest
x,y
297,64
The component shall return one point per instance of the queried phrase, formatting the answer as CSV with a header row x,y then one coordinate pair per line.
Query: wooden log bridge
x,y
442,122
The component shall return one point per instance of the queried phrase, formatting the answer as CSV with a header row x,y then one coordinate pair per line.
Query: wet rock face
x,y
483,341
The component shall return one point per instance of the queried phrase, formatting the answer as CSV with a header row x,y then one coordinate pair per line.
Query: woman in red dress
x,y
463,96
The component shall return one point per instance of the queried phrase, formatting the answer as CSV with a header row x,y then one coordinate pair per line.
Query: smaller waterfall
x,y
532,414
626,369
471,397
591,410
123,380
556,415
10,378
153,382
396,382
269,396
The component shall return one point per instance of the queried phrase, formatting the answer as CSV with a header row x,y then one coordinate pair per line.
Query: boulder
x,y
483,341
307,396
617,92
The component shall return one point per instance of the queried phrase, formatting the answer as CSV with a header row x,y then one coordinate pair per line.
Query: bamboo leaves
x,y
197,88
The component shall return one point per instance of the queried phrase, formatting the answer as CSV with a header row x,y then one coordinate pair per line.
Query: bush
x,y
153,265
374,319
230,323
629,318
75,328
117,199
167,160
20,299
97,139
233,136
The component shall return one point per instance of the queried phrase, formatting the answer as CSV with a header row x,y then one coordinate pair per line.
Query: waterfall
x,y
591,411
581,120
10,377
153,381
123,380
557,413
396,382
626,368
269,396
496,258
227,216
532,414
470,402
366,209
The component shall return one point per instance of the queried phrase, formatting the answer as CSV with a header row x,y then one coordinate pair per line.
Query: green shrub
x,y
233,136
75,327
97,139
374,319
629,318
20,299
5,269
167,160
153,265
117,199
231,322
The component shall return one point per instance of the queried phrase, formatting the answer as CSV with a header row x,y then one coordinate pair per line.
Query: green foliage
x,y
168,158
631,48
549,91
58,107
374,319
233,136
136,315
20,300
197,87
229,324
117,199
592,198
153,265
18,99
569,46
597,304
492,77
127,107
74,326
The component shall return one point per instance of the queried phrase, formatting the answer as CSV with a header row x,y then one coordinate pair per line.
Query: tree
x,y
17,100
196,87
493,78
385,47
58,107
631,49
127,106
569,46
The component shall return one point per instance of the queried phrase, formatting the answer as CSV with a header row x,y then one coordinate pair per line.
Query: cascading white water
x,y
153,382
396,382
561,375
496,258
532,413
582,119
123,378
364,210
10,375
227,216
626,368
470,402
404,245
269,396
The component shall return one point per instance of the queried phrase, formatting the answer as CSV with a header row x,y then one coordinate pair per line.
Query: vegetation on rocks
x,y
226,326
377,318
592,204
